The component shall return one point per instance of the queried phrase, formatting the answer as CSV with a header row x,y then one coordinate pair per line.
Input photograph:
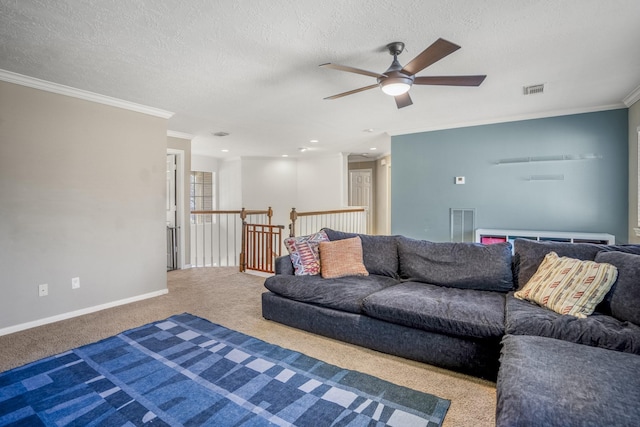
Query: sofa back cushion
x,y
379,253
528,254
624,297
456,265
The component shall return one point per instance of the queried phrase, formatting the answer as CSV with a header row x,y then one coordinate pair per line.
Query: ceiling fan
x,y
397,80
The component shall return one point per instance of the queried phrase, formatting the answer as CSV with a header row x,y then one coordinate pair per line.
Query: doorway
x,y
361,192
175,209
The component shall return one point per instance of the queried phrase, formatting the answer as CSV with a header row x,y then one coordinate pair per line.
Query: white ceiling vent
x,y
532,90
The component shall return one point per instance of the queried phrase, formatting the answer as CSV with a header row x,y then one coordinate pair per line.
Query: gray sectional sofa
x,y
452,305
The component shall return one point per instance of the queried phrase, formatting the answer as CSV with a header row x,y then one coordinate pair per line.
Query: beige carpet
x,y
232,299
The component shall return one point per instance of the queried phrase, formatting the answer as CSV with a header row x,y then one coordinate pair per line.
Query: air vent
x,y
534,89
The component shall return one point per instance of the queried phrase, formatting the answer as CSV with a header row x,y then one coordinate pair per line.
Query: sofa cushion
x,y
283,265
345,293
304,254
379,253
547,382
568,285
342,258
460,312
597,330
528,254
458,265
624,297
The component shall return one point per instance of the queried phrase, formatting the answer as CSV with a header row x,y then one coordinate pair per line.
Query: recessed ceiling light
x,y
367,130
373,148
302,149
224,150
314,141
285,155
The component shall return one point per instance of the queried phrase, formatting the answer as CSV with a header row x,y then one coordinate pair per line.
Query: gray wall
x,y
82,193
593,197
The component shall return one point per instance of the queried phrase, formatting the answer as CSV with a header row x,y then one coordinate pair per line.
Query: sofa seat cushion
x,y
452,311
345,293
380,253
598,330
457,265
548,382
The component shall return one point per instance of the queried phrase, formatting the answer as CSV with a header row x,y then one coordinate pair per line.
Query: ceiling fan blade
x,y
351,92
450,80
352,70
403,100
434,53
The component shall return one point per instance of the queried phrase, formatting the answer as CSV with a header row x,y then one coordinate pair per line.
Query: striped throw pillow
x,y
569,286
342,258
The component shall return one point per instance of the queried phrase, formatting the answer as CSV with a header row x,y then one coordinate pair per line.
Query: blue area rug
x,y
188,371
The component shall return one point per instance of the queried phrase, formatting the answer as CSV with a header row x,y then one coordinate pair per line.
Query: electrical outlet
x,y
43,290
75,283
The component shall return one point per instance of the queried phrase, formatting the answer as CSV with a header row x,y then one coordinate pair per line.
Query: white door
x,y
361,192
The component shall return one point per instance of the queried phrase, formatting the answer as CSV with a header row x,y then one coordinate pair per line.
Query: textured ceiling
x,y
250,68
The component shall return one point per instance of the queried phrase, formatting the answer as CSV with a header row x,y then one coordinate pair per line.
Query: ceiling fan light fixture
x,y
395,88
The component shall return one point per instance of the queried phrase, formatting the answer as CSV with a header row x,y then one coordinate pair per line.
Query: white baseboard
x,y
64,316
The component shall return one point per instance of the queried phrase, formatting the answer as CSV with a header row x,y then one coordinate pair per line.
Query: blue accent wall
x,y
592,197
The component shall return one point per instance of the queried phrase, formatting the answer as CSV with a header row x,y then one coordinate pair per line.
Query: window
x,y
202,195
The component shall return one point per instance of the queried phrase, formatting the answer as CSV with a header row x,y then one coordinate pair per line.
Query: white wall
x,y
230,184
383,196
204,163
270,182
82,194
321,183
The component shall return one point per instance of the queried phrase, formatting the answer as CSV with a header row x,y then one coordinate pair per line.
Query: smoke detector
x,y
221,133
533,89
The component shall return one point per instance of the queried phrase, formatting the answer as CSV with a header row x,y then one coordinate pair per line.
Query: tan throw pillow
x,y
569,286
342,258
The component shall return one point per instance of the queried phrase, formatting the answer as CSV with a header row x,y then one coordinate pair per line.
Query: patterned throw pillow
x,y
568,285
342,258
304,255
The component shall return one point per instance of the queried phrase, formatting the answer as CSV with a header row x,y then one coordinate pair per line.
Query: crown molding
x,y
632,98
181,135
507,119
32,82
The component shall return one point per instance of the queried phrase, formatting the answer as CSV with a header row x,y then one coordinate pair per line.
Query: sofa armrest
x,y
283,265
